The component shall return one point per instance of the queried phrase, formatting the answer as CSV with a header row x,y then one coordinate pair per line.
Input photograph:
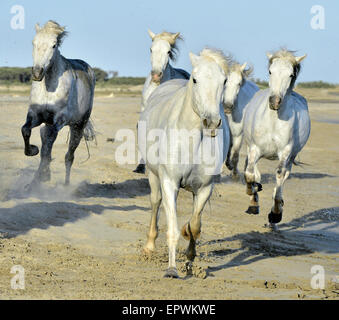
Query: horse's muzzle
x,y
274,102
210,127
156,76
228,108
37,73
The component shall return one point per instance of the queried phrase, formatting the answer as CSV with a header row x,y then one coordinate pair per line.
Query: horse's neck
x,y
188,118
242,99
168,72
51,79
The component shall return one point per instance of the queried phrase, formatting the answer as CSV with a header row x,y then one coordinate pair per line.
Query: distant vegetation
x,y
316,84
261,83
311,84
16,75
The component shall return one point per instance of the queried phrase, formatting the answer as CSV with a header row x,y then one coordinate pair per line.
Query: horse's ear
x,y
243,67
194,59
176,35
269,55
37,27
299,59
151,34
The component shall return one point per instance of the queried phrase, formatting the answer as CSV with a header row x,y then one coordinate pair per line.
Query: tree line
x,y
11,75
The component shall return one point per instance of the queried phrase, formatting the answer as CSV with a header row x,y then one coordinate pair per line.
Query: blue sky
x,y
113,34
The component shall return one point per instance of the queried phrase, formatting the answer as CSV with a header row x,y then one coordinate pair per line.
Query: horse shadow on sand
x,y
270,177
26,216
130,188
317,231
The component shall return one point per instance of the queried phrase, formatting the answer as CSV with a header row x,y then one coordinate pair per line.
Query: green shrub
x,y
316,84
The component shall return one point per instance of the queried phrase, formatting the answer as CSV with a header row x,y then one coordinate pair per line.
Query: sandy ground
x,y
85,241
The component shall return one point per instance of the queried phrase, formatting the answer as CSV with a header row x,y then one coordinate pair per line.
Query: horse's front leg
x,y
32,121
282,173
252,177
169,200
48,135
155,203
191,230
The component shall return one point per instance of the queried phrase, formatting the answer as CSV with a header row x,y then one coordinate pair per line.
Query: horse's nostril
x,y
205,123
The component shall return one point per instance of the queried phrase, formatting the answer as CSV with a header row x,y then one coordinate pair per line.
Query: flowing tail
x,y
89,132
89,135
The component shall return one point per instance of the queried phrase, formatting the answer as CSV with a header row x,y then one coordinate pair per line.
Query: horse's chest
x,y
51,98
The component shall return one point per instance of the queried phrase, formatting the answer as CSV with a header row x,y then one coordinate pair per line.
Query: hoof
x,y
148,249
31,151
253,210
185,233
257,187
189,268
274,217
141,168
171,273
229,165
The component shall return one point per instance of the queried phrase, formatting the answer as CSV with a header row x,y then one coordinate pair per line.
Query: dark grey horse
x,y
62,94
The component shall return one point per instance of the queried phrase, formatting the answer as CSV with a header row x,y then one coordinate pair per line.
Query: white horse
x,y
164,48
238,92
188,107
276,126
61,94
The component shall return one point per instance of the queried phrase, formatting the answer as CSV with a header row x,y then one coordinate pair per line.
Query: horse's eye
x,y
269,72
169,52
225,82
291,76
54,46
194,81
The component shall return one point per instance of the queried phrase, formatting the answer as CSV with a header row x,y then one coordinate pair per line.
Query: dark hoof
x,y
189,268
140,169
229,166
274,217
253,210
257,187
171,273
31,151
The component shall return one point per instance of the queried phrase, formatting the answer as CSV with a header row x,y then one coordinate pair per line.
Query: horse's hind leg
x,y
155,203
74,141
234,157
48,135
191,230
252,177
32,121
